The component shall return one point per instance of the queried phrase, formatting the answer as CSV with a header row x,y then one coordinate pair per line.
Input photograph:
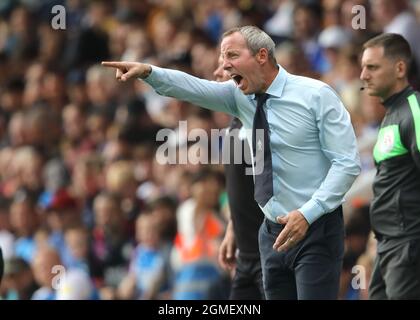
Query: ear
x,y
262,56
401,69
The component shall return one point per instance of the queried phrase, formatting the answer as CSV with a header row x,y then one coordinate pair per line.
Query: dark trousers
x,y
247,282
311,269
1,265
396,273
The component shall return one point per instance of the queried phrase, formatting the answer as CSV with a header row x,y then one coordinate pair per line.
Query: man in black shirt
x,y
395,209
245,219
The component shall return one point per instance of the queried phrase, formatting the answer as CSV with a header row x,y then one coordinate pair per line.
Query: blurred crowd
x,y
80,186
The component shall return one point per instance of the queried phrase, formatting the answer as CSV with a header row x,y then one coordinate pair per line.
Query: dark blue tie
x,y
262,152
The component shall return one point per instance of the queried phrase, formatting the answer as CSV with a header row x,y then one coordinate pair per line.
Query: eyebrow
x,y
370,65
229,51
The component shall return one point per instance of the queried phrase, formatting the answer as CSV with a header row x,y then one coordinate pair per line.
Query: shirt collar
x,y
276,87
394,99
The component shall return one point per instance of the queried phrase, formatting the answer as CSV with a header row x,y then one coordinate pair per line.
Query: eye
x,y
232,55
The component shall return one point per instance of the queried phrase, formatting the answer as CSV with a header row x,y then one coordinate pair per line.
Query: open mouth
x,y
238,79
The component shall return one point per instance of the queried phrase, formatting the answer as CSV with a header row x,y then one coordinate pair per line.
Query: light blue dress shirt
x,y
314,153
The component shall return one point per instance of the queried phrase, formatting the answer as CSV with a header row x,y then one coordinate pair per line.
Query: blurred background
x,y
80,186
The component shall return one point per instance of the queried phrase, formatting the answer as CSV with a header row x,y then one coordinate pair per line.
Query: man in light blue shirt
x,y
313,154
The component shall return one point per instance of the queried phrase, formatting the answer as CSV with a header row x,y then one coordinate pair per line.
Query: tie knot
x,y
261,98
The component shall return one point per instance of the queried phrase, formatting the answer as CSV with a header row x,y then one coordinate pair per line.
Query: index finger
x,y
281,238
113,64
286,246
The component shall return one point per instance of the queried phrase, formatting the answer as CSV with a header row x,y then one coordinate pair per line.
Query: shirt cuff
x,y
311,210
153,75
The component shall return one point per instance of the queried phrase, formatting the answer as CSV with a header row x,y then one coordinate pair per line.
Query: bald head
x,y
45,260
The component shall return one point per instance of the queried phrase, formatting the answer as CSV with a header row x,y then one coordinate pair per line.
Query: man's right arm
x,y
172,83
208,94
227,248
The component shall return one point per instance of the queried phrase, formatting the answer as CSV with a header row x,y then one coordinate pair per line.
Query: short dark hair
x,y
207,173
163,201
395,46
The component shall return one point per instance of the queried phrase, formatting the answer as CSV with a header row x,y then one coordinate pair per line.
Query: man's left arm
x,y
338,143
410,130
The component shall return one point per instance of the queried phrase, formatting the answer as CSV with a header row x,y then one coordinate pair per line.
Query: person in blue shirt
x,y
305,154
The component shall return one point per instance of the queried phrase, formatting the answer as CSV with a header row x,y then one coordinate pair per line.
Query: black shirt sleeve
x,y
408,136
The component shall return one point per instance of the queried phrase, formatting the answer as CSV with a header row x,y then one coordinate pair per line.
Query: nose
x,y
218,72
364,75
226,64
